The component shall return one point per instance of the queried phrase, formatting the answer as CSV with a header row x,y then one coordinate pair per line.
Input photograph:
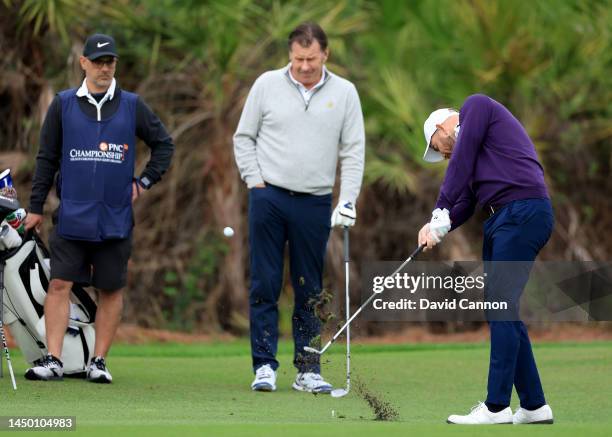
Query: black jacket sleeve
x,y
151,130
49,156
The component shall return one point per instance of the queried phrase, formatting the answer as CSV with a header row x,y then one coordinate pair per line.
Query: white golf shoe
x,y
265,379
542,415
311,382
97,371
480,415
49,368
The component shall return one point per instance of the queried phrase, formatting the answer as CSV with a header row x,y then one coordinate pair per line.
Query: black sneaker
x,y
48,368
97,371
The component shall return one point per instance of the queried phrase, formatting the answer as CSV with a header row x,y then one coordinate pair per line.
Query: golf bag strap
x,y
34,236
24,273
77,289
85,300
86,351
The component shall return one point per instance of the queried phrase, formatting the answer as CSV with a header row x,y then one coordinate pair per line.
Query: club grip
x,y
418,250
346,244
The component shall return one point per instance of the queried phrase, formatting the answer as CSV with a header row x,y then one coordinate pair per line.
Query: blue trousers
x,y
278,216
515,233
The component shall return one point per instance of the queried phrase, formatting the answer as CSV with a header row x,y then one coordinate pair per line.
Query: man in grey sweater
x,y
296,122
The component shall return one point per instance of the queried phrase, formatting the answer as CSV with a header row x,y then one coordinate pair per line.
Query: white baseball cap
x,y
435,118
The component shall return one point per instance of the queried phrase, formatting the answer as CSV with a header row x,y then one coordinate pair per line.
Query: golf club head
x,y
339,393
7,206
312,350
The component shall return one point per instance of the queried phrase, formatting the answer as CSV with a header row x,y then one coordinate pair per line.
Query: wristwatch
x,y
144,182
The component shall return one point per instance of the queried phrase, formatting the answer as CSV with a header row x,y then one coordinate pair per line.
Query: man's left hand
x,y
137,191
440,224
344,214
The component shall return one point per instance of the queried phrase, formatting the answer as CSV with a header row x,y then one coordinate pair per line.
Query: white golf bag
x,y
26,279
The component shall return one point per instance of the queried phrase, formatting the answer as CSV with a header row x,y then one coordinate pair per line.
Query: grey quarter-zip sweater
x,y
285,141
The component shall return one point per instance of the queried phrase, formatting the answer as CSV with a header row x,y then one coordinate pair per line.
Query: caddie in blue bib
x,y
97,170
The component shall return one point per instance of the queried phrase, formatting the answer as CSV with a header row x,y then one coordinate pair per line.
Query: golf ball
x,y
228,232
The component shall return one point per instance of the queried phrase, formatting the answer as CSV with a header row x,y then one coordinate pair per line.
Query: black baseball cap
x,y
99,45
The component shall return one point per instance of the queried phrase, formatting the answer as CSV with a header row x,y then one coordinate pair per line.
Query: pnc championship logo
x,y
106,152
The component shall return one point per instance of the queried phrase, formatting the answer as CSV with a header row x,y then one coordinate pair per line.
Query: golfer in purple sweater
x,y
493,164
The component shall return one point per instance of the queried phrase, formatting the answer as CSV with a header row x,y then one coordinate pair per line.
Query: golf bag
x,y
26,279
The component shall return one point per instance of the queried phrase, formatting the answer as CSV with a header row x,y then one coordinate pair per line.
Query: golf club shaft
x,y
2,310
367,302
8,357
347,306
4,342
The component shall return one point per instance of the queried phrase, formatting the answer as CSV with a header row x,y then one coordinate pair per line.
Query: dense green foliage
x,y
193,61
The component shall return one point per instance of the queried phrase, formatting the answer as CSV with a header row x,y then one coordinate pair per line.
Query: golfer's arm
x,y
463,209
48,158
245,152
474,125
152,131
352,149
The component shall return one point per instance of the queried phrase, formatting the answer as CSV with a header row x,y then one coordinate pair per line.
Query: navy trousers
x,y
278,216
515,233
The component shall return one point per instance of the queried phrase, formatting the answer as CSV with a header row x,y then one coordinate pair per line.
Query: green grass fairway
x,y
204,390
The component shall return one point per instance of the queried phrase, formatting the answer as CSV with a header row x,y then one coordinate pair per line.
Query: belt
x,y
290,192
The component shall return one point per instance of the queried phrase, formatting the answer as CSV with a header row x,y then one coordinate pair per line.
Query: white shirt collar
x,y
300,84
83,91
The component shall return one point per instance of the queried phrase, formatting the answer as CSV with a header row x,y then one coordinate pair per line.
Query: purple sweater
x,y
493,162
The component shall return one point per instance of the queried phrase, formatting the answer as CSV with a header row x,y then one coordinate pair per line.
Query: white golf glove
x,y
344,214
440,224
9,237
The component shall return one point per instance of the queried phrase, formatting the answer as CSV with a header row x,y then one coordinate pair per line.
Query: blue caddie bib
x,y
96,172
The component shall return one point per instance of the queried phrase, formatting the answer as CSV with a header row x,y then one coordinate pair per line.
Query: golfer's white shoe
x,y
48,368
265,379
480,415
97,371
542,415
311,382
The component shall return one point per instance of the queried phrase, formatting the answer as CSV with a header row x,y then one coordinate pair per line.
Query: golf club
x,y
365,304
340,392
7,206
4,344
